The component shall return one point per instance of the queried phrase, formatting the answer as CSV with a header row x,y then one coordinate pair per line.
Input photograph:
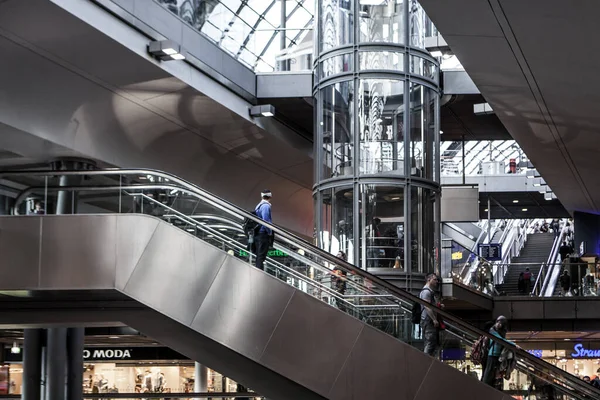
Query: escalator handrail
x,y
301,243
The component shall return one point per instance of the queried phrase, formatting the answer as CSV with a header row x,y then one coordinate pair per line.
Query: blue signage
x,y
535,353
581,352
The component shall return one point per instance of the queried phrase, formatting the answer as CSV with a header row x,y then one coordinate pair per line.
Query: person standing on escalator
x,y
264,239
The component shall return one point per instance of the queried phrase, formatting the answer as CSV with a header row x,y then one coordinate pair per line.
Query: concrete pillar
x,y
32,364
200,378
75,343
56,364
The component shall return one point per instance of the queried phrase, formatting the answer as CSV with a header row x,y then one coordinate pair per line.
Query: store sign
x,y
536,353
582,352
457,255
107,354
112,354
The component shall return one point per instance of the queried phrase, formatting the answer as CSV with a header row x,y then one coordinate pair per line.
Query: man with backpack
x,y
264,237
430,325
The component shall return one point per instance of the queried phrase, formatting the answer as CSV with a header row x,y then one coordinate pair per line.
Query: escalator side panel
x,y
221,358
312,342
133,236
20,249
242,308
78,252
174,273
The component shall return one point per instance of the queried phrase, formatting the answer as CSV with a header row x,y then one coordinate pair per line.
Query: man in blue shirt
x,y
264,238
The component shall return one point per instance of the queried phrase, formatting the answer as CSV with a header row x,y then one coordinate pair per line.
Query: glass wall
x,y
377,96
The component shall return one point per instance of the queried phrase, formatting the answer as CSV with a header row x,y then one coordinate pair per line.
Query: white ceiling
x,y
535,62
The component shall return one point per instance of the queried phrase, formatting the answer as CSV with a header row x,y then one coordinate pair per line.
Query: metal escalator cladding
x,y
280,332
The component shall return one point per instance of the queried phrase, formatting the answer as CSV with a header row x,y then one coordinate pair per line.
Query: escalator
x,y
165,257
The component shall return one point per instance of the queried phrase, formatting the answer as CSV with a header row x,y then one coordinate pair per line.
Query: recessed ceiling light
x,y
524,209
485,210
515,201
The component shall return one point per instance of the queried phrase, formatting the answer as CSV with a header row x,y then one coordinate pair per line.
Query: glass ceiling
x,y
248,29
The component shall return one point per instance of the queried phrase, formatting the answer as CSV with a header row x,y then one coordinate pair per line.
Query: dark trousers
x,y
262,241
491,367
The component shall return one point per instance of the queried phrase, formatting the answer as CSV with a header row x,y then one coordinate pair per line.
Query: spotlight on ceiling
x,y
265,110
15,349
166,50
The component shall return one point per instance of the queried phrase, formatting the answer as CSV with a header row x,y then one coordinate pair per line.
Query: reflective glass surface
x,y
381,126
336,65
337,134
337,220
336,25
382,21
389,60
250,29
382,226
422,130
421,226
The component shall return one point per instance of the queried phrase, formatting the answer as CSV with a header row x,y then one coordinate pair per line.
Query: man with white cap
x,y
263,239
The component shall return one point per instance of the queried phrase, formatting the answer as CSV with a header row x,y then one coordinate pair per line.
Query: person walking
x,y
564,251
499,330
430,325
339,280
527,278
264,238
565,282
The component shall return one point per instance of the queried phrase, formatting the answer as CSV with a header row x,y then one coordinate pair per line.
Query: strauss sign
x,y
106,354
581,352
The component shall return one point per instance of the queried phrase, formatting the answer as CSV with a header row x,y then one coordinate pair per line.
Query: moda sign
x,y
106,354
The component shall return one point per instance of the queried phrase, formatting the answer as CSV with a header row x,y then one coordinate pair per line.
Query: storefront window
x,y
381,126
382,226
383,22
337,106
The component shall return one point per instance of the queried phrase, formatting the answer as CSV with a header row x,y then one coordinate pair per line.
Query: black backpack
x,y
417,309
249,226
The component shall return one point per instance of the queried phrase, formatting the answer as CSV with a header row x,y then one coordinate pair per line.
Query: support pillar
x,y
200,378
56,364
32,364
75,343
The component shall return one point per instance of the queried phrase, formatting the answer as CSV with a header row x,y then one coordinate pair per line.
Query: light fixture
x,y
113,337
485,210
436,53
265,110
515,201
524,209
15,349
166,50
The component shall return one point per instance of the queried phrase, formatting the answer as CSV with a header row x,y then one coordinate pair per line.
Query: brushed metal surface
x,y
78,252
20,249
445,382
528,309
174,273
242,308
586,309
133,235
389,362
311,343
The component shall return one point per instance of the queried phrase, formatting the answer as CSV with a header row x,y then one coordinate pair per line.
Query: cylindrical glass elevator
x,y
377,131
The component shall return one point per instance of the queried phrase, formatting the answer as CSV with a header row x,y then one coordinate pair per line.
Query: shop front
x,y
126,370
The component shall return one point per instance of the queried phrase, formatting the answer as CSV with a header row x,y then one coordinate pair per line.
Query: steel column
x,y
75,342
32,364
56,364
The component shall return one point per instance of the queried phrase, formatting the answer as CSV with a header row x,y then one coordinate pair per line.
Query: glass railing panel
x,y
294,261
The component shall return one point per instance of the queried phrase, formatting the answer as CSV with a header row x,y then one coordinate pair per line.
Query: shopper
x,y
565,282
499,330
265,236
521,283
564,251
430,325
39,208
339,283
527,278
